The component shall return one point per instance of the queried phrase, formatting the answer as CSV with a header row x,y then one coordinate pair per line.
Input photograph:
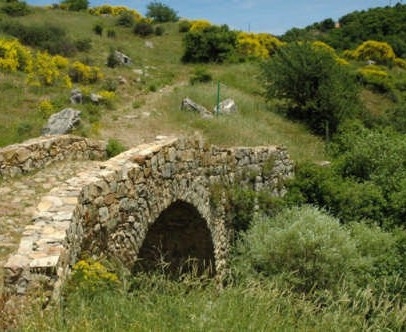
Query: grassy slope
x,y
254,125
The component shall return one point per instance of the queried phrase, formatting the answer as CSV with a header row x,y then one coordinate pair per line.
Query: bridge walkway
x,y
20,196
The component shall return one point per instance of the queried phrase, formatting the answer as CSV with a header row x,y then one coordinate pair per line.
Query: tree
x,y
15,8
161,13
318,90
126,19
76,5
212,44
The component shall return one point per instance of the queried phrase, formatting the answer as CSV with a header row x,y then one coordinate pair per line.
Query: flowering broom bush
x,y
81,73
260,45
380,52
92,276
14,56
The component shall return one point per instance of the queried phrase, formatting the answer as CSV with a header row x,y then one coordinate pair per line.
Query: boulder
x,y
189,105
62,122
227,106
76,96
149,44
122,58
95,98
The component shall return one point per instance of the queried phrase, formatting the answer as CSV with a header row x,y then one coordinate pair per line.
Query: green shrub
x,y
84,44
376,79
126,19
16,8
211,44
111,33
75,5
98,29
242,208
114,147
200,75
143,29
345,198
184,26
110,85
50,38
159,30
112,60
303,247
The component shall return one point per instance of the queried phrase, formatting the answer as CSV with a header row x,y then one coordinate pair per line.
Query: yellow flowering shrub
x,y
25,58
400,63
349,54
342,61
380,52
270,42
67,82
113,11
198,25
45,70
45,108
254,45
92,276
319,45
107,96
61,62
14,56
375,78
81,73
48,70
372,71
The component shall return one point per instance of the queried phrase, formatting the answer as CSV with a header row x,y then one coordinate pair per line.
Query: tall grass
x,y
158,304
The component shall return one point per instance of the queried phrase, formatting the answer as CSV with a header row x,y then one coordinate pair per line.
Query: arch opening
x,y
178,242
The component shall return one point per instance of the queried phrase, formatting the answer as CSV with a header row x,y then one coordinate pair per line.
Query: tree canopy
x,y
161,13
318,90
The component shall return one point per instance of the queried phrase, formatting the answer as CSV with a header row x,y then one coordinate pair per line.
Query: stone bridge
x,y
154,203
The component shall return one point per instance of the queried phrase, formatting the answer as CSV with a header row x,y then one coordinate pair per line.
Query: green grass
x,y
158,304
254,124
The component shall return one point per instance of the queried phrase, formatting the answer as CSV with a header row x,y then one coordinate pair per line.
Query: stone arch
x,y
179,241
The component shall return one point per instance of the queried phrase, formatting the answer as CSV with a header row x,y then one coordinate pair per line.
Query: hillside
x,y
327,256
386,24
148,103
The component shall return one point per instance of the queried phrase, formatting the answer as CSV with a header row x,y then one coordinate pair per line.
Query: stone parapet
x,y
39,152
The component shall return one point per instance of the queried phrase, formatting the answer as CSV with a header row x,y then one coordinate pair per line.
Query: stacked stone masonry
x,y
39,152
108,211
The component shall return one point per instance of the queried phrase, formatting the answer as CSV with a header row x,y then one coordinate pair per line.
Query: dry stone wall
x,y
108,211
39,152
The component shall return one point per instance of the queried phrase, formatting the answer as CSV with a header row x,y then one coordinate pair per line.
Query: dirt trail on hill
x,y
133,126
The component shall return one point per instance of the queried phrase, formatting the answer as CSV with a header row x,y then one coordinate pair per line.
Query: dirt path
x,y
133,126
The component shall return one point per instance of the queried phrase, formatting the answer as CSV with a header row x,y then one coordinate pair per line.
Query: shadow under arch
x,y
178,242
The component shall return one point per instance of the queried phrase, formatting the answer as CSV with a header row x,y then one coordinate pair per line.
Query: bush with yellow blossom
x,y
260,45
380,52
199,25
92,276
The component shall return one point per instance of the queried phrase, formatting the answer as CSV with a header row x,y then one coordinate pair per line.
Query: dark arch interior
x,y
178,242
